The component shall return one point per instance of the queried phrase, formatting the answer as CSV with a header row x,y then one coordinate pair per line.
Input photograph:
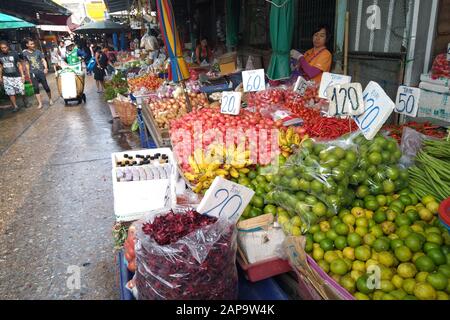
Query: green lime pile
x,y
398,251
378,171
314,183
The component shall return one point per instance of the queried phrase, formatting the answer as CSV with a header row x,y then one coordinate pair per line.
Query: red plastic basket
x,y
265,269
444,213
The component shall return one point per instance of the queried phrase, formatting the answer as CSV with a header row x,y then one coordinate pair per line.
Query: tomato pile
x,y
150,82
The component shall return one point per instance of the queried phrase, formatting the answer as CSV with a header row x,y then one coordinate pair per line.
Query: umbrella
x,y
281,33
106,26
10,22
232,21
179,70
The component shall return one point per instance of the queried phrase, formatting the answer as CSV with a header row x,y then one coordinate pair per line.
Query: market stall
x,y
256,181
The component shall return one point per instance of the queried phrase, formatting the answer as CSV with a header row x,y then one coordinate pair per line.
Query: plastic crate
x,y
265,269
146,140
444,213
263,290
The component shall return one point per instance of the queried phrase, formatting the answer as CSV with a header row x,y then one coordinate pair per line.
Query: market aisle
x,y
56,202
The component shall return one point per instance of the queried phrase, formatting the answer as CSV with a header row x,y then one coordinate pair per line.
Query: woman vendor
x,y
317,60
203,52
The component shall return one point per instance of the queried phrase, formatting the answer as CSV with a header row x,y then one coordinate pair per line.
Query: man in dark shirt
x,y
37,69
11,74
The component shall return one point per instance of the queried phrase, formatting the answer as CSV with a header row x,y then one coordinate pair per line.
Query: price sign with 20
x,y
379,108
253,80
231,103
407,102
346,100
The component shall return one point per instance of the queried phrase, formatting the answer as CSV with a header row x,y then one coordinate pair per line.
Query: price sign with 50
x,y
407,101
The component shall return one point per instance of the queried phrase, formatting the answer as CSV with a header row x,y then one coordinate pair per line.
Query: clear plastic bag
x,y
314,183
199,266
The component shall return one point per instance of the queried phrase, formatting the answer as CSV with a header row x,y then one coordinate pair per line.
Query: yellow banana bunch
x,y
289,135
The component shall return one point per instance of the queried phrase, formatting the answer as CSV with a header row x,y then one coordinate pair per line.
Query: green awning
x,y
233,8
281,33
10,22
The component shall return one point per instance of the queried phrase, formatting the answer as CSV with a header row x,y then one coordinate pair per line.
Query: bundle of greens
x,y
431,175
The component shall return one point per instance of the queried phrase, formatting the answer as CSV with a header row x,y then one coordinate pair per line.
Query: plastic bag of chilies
x,y
199,266
441,67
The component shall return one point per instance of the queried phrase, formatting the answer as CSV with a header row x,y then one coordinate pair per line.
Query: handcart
x,y
70,85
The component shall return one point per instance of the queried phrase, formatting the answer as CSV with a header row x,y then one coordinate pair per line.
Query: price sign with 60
x,y
253,80
379,108
231,103
345,100
330,80
407,101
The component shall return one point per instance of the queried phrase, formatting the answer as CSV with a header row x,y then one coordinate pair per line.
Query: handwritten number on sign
x,y
225,202
369,112
408,105
355,98
253,85
229,103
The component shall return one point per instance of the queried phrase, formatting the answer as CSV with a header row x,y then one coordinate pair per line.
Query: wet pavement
x,y
56,200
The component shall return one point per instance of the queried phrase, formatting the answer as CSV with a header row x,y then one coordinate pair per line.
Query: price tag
x,y
448,52
379,108
346,100
225,198
407,101
300,86
330,80
231,103
254,80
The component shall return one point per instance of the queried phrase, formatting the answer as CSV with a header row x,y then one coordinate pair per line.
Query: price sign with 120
x,y
330,80
253,80
407,101
379,108
231,103
346,100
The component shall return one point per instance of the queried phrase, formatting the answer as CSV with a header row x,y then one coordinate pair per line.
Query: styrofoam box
x,y
135,198
260,245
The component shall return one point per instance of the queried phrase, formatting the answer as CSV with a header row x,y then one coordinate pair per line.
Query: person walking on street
x,y
101,59
37,69
11,74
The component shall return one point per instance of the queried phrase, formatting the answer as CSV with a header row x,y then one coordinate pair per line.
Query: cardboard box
x,y
228,63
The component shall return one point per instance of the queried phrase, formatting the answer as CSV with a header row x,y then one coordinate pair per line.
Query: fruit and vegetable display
x,y
426,128
117,85
441,67
323,178
431,175
148,82
183,255
398,237
166,110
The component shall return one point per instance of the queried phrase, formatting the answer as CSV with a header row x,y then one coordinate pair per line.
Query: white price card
x,y
300,86
379,108
225,198
330,80
407,101
346,100
231,103
254,80
448,52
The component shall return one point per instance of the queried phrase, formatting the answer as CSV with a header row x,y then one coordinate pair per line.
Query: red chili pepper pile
x,y
426,128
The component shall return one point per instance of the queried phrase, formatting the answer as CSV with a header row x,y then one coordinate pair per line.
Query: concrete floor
x,y
56,201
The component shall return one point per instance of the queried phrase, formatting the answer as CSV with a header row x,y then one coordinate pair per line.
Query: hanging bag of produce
x,y
183,255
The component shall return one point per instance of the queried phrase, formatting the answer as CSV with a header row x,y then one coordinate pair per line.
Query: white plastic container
x,y
135,198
